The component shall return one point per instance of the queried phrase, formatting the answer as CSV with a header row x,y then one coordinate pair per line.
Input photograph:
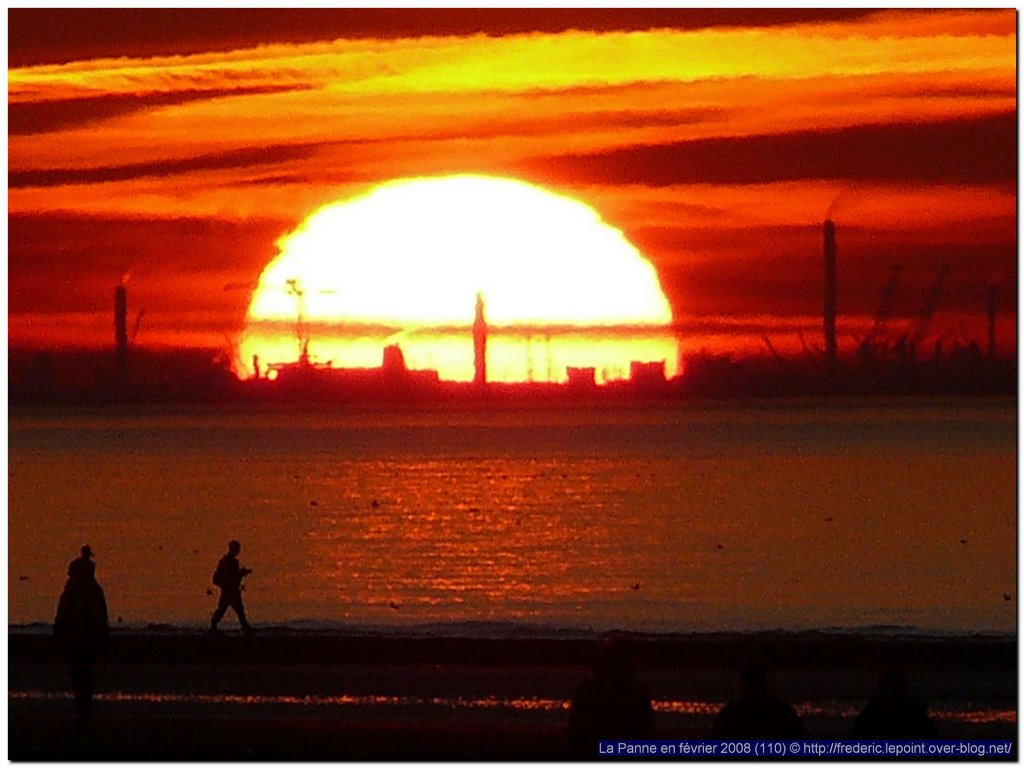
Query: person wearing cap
x,y
81,626
228,577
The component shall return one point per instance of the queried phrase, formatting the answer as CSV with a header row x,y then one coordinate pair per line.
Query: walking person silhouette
x,y
228,577
82,628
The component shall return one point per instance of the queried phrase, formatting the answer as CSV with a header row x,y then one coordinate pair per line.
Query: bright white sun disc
x,y
411,256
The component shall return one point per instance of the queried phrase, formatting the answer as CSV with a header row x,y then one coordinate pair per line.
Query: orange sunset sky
x,y
174,147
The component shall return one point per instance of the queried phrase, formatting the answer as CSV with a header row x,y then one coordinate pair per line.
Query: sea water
x,y
690,518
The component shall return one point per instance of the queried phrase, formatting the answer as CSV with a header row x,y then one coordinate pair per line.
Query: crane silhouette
x,y
886,304
931,301
293,287
301,328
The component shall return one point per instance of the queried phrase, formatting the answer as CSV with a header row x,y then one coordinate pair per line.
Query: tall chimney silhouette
x,y
991,322
830,295
480,342
121,334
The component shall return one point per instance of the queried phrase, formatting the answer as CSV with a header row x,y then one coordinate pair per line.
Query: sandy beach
x,y
289,695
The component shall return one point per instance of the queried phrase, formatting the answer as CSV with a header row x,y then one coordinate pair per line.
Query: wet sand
x,y
287,695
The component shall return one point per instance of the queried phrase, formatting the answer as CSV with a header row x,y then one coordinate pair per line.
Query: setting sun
x,y
445,348
404,262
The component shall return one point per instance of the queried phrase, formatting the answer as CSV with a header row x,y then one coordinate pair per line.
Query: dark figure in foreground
x,y
610,704
81,627
757,713
893,713
228,577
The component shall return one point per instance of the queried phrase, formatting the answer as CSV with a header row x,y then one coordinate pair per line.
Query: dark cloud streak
x,y
239,158
58,243
275,154
982,150
778,269
46,116
58,35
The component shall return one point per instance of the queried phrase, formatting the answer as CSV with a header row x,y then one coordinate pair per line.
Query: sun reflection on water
x,y
844,710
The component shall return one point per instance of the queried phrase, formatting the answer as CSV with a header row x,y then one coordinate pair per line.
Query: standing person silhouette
x,y
893,712
610,703
81,626
758,713
228,577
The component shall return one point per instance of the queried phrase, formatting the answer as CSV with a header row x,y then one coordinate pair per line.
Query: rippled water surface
x,y
698,518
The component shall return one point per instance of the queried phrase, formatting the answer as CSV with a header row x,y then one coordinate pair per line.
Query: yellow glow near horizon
x,y
405,261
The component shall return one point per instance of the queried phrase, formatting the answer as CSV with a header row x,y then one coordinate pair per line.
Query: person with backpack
x,y
228,577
